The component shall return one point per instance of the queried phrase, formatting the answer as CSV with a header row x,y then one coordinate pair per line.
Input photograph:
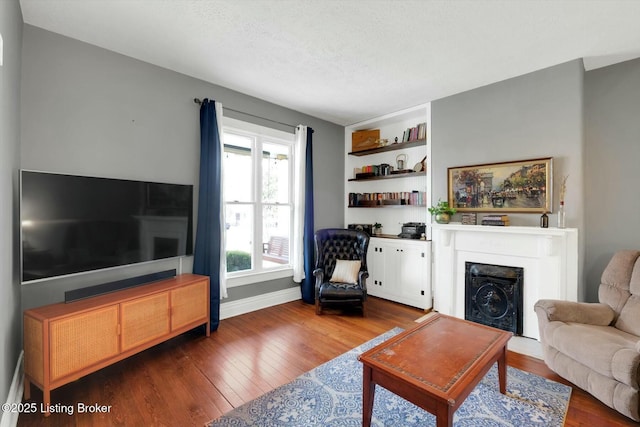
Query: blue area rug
x,y
331,395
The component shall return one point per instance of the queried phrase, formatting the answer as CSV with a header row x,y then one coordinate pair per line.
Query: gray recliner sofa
x,y
596,346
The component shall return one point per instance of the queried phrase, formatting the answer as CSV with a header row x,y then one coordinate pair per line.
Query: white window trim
x,y
257,277
235,278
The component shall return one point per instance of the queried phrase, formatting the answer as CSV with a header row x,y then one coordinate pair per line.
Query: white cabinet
x,y
375,265
400,270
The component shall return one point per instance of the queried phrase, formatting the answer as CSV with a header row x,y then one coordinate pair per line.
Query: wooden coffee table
x,y
435,365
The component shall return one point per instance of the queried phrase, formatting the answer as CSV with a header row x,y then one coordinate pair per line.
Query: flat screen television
x,y
72,224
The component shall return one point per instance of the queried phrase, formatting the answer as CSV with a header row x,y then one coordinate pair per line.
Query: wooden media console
x,y
64,342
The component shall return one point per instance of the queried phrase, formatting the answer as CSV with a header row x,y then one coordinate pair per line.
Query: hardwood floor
x,y
192,379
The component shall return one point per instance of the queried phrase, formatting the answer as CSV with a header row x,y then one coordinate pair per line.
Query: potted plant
x,y
377,228
442,212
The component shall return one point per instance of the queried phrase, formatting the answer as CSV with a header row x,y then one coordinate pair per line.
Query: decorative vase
x,y
544,221
443,218
561,216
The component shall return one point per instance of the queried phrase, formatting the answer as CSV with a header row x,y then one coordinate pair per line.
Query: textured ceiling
x,y
350,60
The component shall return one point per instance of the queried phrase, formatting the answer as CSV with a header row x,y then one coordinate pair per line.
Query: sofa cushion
x,y
604,349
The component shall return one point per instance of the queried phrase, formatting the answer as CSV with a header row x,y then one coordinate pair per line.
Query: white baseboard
x,y
247,305
527,346
9,418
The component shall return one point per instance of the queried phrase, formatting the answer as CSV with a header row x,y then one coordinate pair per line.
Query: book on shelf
x,y
406,134
414,134
496,223
389,198
496,217
502,223
422,130
469,219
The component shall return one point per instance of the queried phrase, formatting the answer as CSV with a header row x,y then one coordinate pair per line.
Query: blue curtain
x,y
206,256
308,284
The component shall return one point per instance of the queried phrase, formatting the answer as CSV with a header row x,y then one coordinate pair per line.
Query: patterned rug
x,y
331,395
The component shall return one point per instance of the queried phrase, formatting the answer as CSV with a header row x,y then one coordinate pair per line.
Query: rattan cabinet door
x,y
83,339
144,319
189,304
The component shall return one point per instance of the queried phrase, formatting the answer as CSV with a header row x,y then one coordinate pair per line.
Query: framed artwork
x,y
520,186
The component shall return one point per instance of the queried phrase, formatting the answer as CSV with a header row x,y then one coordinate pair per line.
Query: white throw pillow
x,y
345,271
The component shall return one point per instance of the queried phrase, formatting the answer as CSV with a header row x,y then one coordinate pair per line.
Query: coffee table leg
x,y
502,370
368,392
444,415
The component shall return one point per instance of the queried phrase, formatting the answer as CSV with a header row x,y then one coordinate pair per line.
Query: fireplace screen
x,y
493,296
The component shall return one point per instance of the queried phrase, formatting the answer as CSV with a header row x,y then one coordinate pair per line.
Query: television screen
x,y
73,224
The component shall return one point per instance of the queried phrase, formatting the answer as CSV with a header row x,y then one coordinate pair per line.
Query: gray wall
x,y
10,314
86,110
535,115
612,130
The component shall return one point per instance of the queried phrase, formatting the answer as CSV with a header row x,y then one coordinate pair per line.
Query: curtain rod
x,y
198,101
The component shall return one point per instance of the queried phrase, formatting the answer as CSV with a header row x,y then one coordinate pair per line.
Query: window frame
x,y
261,135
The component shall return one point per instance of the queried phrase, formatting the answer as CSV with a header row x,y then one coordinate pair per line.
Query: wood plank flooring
x,y
192,379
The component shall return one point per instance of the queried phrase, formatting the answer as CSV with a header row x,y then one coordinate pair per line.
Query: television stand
x,y
65,342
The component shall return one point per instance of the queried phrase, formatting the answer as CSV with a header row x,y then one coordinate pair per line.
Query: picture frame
x,y
522,186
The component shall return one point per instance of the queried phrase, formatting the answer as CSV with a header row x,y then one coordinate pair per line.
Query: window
x,y
258,193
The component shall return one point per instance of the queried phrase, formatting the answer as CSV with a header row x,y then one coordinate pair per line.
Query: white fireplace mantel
x,y
549,257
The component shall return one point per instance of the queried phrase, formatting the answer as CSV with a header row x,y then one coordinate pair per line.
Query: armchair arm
x,y
577,312
319,273
362,279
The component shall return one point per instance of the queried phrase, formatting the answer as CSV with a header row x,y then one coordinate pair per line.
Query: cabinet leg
x,y
46,401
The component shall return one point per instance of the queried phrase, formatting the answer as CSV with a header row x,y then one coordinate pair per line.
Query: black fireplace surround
x,y
493,296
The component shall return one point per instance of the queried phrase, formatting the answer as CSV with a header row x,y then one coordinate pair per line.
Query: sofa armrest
x,y
577,312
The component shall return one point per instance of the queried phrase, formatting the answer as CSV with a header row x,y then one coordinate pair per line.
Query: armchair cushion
x,y
629,320
340,292
345,271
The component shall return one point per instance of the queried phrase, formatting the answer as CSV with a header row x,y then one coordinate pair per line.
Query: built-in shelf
x,y
391,147
407,174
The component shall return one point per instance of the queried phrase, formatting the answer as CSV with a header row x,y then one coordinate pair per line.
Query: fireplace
x,y
493,296
548,257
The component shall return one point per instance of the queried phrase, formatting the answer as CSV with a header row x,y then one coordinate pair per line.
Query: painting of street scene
x,y
519,186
